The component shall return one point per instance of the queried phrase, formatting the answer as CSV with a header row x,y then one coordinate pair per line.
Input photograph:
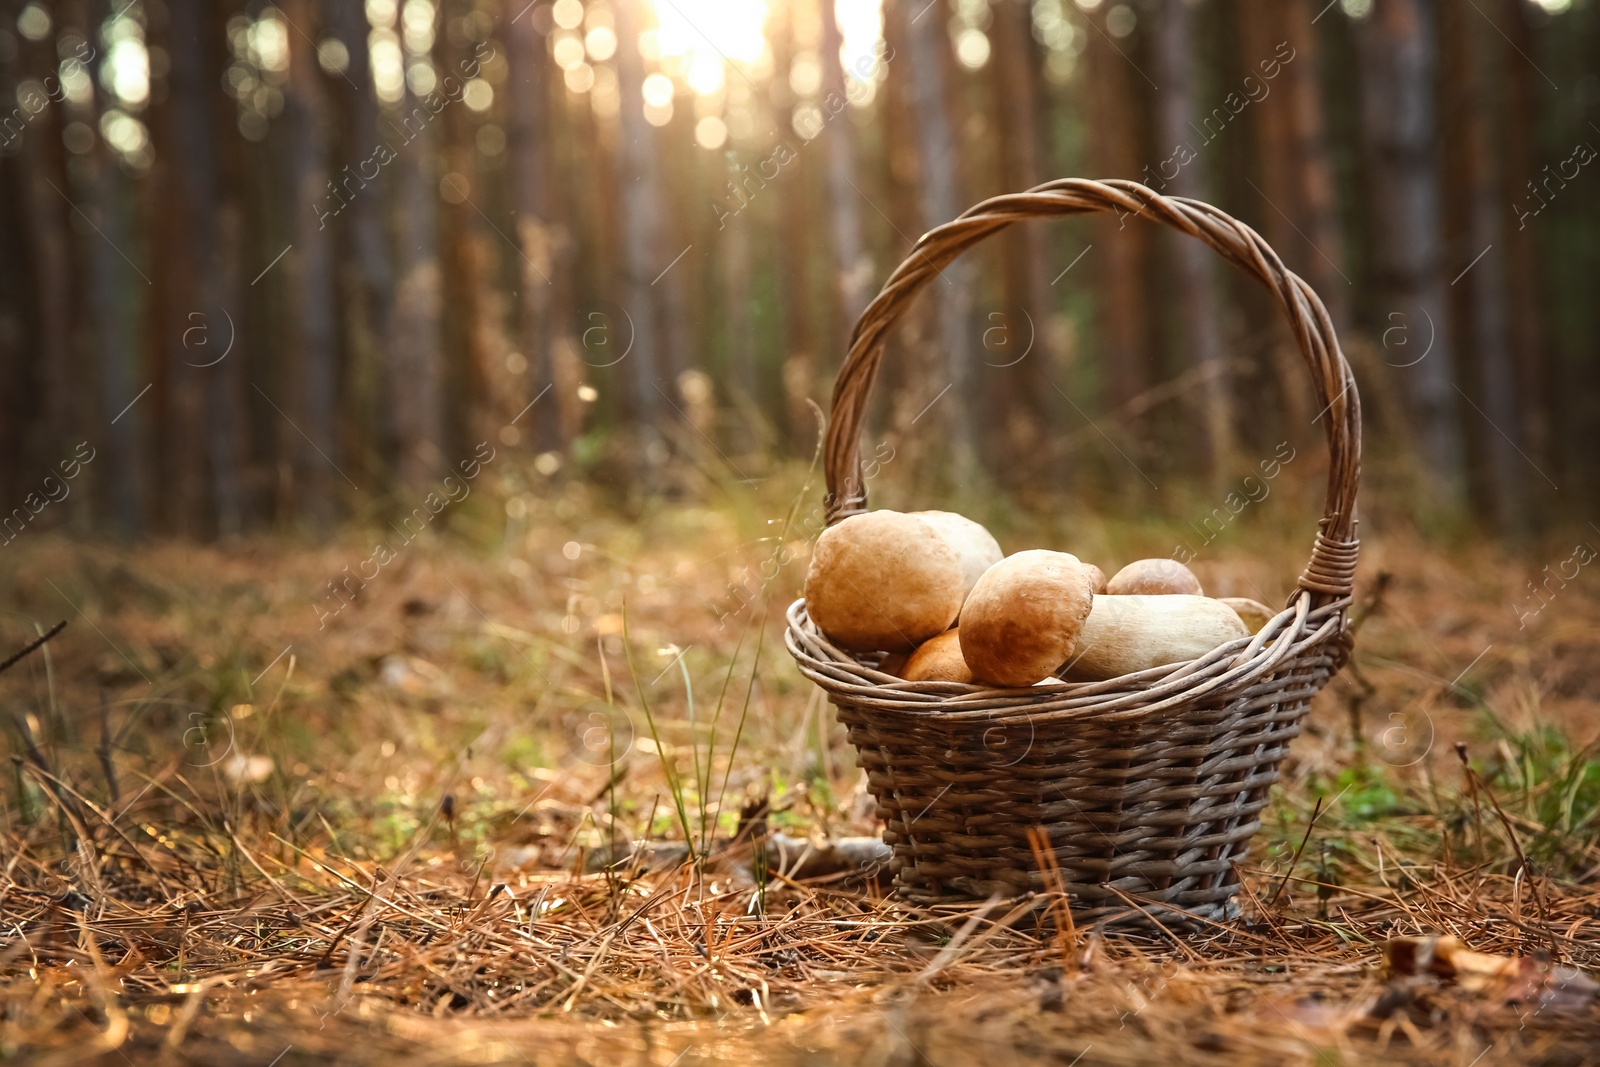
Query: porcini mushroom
x,y
1253,613
975,547
1125,634
1097,577
1021,621
1150,577
883,581
938,660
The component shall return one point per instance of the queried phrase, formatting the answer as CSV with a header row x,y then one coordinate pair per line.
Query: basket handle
x,y
1330,574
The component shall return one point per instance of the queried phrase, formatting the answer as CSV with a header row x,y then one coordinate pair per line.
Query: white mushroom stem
x,y
1125,634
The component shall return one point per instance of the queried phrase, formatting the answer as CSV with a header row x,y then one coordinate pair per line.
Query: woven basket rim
x,y
1166,689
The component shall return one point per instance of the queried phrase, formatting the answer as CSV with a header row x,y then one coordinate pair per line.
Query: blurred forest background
x,y
277,264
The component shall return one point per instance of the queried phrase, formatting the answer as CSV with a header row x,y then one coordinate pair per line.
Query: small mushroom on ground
x,y
1021,621
1253,613
1124,634
938,660
975,547
1150,577
883,581
1097,577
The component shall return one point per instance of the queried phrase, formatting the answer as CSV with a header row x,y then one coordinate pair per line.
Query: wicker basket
x,y
1138,795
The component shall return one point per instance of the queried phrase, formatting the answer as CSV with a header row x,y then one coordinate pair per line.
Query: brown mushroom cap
x,y
1097,577
938,660
1022,620
1151,577
883,581
1253,613
975,547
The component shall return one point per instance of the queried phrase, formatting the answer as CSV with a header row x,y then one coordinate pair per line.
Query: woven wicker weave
x,y
1148,787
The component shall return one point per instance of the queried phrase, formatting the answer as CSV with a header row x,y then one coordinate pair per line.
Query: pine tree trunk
x,y
639,194
1297,213
1025,388
1119,244
1398,46
115,331
927,76
1201,331
414,377
740,351
528,147
47,257
1541,404
313,398
852,268
471,413
798,366
1481,315
1316,197
366,276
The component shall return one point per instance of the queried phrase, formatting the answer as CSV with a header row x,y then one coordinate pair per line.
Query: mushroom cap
x,y
975,546
938,660
1022,620
1152,577
1097,577
1253,613
883,581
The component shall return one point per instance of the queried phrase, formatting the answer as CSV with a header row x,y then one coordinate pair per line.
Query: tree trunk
x,y
797,368
528,147
1482,317
470,412
1301,215
1119,244
741,377
1541,405
1200,332
1398,47
1316,196
313,397
17,279
46,253
115,317
198,44
366,276
414,377
927,77
1025,389
640,196
852,268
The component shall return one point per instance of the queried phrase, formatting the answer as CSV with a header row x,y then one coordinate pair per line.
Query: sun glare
x,y
706,32
861,26
695,40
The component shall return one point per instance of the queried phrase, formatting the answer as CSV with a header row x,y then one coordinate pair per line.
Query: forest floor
x,y
249,823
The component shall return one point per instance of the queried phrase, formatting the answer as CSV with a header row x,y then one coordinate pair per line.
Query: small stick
x,y
1044,856
1316,813
372,894
33,646
104,751
1472,787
